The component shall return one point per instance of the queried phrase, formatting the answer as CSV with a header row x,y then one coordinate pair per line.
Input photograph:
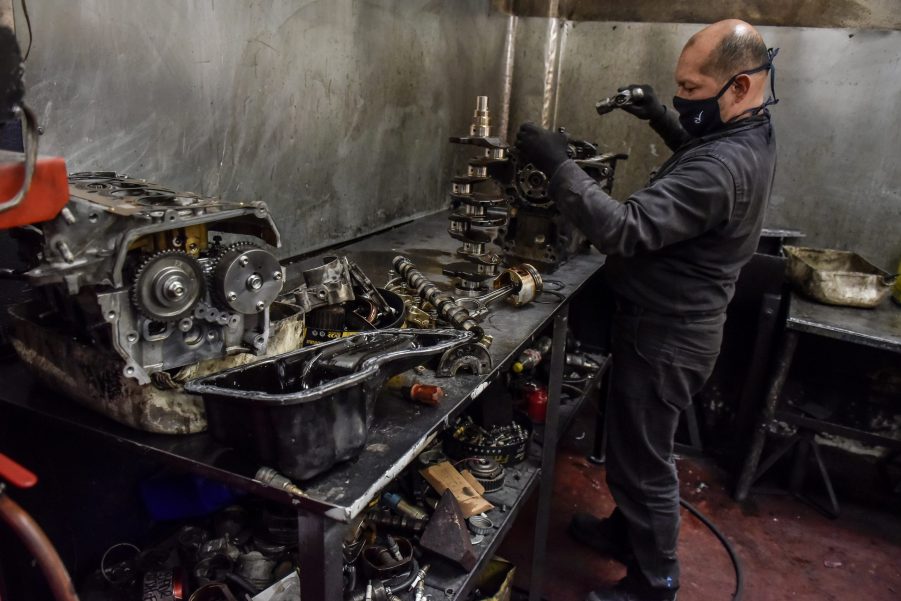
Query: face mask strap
x,y
768,66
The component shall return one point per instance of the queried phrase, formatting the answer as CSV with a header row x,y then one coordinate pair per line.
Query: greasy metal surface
x,y
400,429
879,14
837,277
333,112
839,172
879,327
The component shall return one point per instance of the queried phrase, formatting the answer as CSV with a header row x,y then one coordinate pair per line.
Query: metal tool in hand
x,y
624,98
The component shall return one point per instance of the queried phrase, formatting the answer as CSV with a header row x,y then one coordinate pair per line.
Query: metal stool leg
x,y
749,470
599,451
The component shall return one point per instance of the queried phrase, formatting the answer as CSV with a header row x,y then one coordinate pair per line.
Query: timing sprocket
x,y
168,285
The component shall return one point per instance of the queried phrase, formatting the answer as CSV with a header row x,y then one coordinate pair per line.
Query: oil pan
x,y
309,409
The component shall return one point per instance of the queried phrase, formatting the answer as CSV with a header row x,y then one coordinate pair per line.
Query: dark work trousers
x,y
659,363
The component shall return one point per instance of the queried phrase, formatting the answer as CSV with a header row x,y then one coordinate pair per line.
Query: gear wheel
x,y
168,285
246,278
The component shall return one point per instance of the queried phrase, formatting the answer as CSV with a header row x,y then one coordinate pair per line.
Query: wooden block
x,y
444,476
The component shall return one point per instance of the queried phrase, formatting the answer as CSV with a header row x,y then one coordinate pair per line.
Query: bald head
x,y
730,46
714,55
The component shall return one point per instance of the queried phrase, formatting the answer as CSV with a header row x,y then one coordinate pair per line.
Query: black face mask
x,y
702,117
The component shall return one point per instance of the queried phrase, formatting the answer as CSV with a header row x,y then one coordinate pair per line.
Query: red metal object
x,y
47,195
427,394
535,397
15,474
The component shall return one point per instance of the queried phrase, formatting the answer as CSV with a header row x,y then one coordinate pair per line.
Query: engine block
x,y
164,279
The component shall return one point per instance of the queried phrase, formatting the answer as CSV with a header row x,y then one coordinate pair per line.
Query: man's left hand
x,y
546,149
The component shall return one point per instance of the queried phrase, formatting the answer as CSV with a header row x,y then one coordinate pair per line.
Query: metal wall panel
x,y
335,112
839,172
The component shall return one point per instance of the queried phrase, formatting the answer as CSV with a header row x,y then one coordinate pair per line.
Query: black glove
x,y
645,104
544,148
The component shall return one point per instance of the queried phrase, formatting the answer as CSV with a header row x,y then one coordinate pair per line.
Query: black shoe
x,y
607,536
627,590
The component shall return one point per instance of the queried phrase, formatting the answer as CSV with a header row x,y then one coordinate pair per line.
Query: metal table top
x,y
400,429
879,327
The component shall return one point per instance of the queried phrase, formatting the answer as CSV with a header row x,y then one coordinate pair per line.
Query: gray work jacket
x,y
676,247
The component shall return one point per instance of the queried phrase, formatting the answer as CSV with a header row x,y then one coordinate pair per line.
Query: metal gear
x,y
246,278
168,285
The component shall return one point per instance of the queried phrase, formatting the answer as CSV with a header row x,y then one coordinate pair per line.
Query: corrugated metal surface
x,y
335,112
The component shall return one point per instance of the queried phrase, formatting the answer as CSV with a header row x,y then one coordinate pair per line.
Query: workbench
x,y
878,328
400,430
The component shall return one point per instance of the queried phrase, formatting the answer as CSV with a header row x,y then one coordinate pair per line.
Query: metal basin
x,y
837,277
306,410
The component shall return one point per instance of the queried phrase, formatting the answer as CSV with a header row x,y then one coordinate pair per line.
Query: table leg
x,y
599,449
548,453
319,557
780,375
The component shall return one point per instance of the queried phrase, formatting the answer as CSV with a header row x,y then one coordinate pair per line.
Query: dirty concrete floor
x,y
789,550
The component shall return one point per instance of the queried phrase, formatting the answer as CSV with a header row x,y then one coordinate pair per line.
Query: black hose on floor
x,y
736,562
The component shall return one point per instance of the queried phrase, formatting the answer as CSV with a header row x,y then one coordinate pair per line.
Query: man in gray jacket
x,y
675,249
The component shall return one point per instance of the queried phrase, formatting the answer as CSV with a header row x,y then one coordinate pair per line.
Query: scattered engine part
x,y
474,199
327,284
480,524
256,568
397,503
444,303
379,562
472,357
340,300
531,357
288,409
447,534
477,539
401,523
582,362
523,281
286,589
352,317
213,591
505,444
488,472
164,585
269,476
132,267
393,547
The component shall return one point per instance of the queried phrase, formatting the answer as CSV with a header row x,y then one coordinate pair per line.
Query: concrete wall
x,y
335,112
839,171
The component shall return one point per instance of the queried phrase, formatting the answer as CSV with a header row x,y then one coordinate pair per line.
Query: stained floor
x,y
789,550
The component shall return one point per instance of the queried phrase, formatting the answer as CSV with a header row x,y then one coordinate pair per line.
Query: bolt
x,y
243,261
277,275
254,282
132,337
260,305
175,289
231,296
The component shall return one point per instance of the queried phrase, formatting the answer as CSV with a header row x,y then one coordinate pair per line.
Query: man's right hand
x,y
644,105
